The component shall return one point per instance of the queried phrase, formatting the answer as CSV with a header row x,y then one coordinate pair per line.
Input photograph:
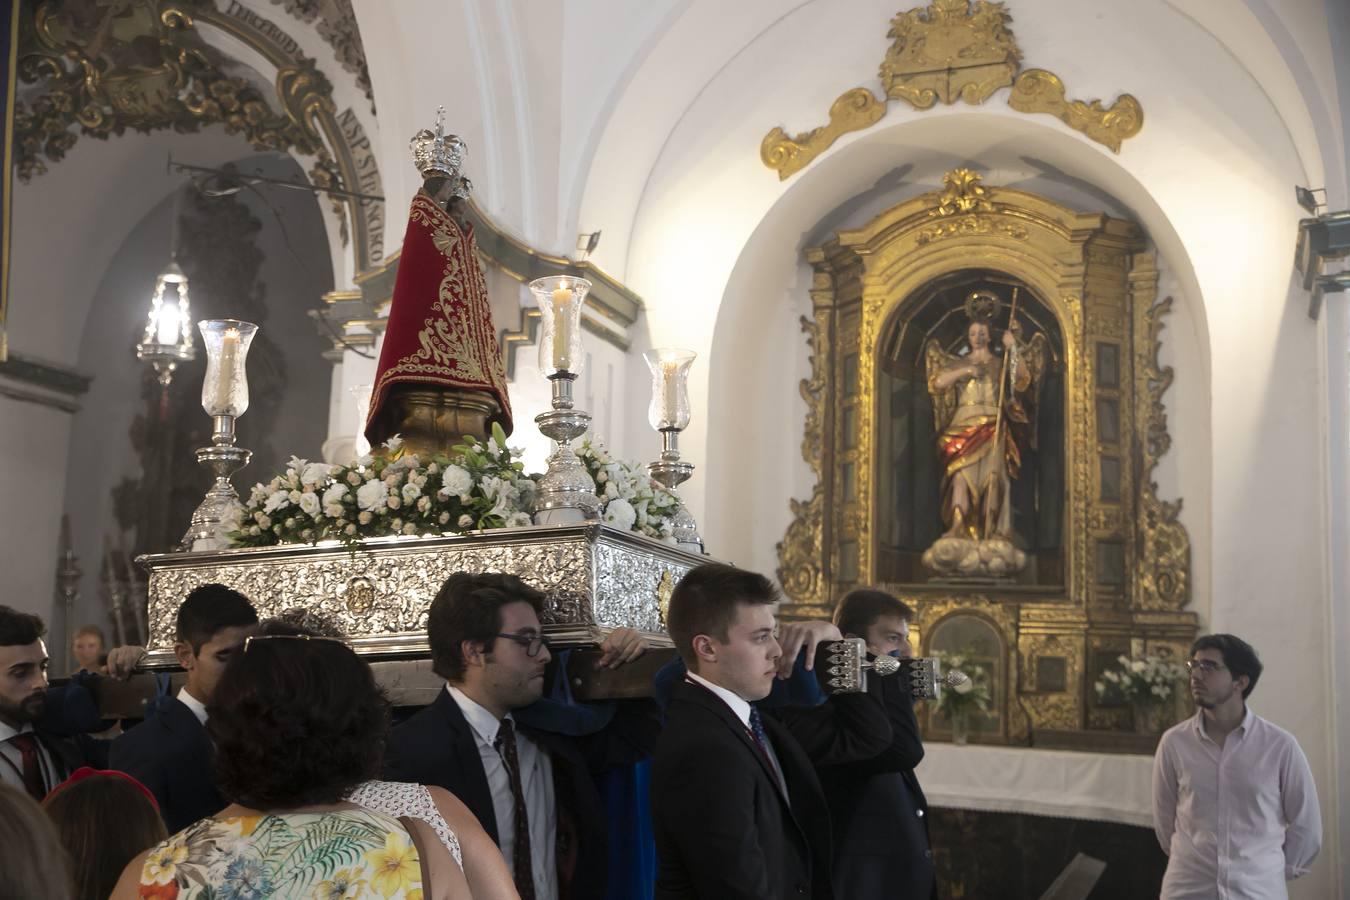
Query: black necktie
x,y
523,871
32,767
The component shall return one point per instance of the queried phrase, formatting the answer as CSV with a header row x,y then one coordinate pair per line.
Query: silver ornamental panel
x,y
594,578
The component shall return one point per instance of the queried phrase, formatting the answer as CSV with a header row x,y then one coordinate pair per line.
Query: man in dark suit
x,y
737,808
34,757
878,810
532,790
170,752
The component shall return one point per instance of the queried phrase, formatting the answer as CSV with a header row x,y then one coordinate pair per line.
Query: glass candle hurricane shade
x,y
225,387
560,298
669,410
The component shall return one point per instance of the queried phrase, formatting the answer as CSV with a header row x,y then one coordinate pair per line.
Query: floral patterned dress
x,y
333,855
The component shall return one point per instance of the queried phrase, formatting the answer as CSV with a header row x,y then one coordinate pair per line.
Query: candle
x,y
229,353
670,392
166,324
562,327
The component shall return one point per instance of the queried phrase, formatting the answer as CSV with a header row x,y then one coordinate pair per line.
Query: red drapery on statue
x,y
440,331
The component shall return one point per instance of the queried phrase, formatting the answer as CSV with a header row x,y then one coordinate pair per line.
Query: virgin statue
x,y
983,402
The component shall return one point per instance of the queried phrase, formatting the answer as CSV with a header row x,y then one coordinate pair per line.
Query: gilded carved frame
x,y
1093,272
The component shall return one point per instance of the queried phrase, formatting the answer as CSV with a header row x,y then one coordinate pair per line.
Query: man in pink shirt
x,y
1234,804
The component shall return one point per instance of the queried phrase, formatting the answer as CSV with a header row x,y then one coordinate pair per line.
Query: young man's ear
x,y
475,652
704,648
1242,682
182,650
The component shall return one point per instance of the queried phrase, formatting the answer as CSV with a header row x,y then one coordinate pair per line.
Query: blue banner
x,y
9,61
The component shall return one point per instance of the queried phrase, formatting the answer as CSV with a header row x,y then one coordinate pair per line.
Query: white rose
x,y
335,494
620,514
518,520
315,473
276,501
365,518
455,481
443,518
349,530
423,504
411,492
372,494
294,496
466,521
410,528
309,504
964,687
353,478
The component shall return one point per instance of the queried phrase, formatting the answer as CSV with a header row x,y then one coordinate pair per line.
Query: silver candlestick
x,y
219,511
670,472
225,398
567,491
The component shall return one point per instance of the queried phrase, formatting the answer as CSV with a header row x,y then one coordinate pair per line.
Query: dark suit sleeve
x,y
708,813
630,736
906,748
129,753
846,728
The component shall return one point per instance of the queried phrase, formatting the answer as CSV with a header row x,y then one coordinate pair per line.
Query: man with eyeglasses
x,y
1234,803
533,791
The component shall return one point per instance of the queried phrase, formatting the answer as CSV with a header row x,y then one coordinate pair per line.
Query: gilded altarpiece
x,y
1110,574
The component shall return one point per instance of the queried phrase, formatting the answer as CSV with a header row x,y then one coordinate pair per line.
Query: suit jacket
x,y
724,830
879,813
437,746
171,754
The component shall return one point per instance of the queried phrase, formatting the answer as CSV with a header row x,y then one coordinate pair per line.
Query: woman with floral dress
x,y
298,722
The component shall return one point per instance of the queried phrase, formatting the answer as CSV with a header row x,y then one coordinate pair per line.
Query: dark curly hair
x,y
468,607
18,629
297,720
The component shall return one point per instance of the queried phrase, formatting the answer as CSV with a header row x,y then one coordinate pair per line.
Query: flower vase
x,y
1149,718
960,727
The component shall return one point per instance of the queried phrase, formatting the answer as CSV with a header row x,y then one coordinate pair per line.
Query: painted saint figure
x,y
983,402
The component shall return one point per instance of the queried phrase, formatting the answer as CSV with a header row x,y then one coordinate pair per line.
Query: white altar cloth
x,y
1107,787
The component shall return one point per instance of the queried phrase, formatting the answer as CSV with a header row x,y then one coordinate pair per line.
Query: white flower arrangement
x,y
972,696
1147,681
478,485
631,499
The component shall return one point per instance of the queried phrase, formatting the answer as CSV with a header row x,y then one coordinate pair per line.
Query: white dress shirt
x,y
536,780
741,707
198,707
11,768
1236,820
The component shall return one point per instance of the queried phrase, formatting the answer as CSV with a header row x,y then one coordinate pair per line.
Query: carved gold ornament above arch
x,y
947,51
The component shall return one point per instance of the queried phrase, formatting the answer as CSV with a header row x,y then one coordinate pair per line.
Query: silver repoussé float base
x,y
594,578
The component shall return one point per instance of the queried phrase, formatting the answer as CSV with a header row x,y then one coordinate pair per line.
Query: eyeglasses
x,y
531,642
1205,666
290,637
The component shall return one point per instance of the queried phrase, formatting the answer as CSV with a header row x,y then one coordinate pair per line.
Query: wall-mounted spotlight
x,y
587,243
1323,237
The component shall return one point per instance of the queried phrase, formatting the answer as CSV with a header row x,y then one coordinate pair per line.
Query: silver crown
x,y
436,153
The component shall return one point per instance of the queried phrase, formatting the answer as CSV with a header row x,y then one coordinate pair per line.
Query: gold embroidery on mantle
x,y
947,51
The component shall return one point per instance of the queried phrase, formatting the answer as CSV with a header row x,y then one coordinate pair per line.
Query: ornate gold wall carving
x,y
1092,272
1039,91
947,51
853,111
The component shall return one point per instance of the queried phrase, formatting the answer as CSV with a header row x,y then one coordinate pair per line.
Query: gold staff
x,y
998,413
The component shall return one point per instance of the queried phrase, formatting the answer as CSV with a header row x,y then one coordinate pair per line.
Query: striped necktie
x,y
522,870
